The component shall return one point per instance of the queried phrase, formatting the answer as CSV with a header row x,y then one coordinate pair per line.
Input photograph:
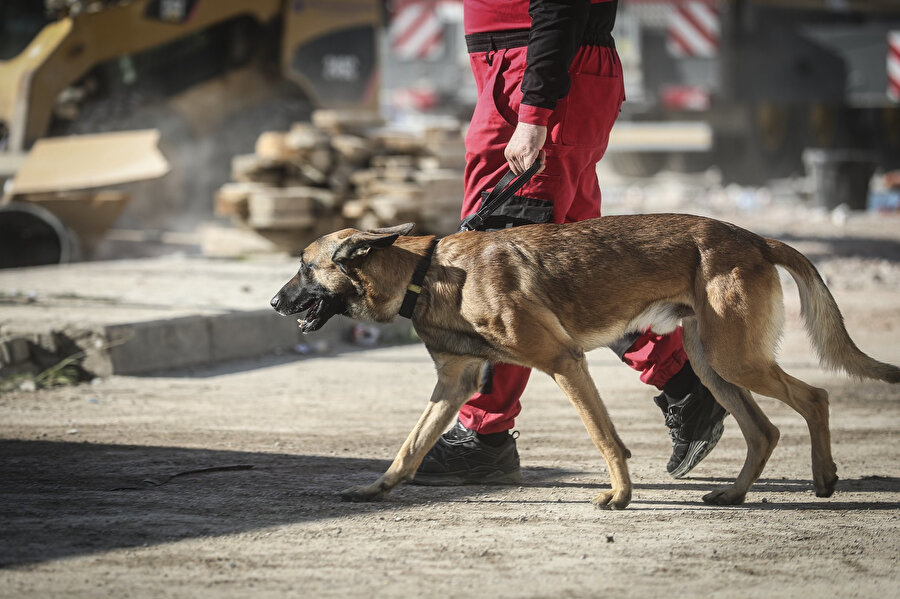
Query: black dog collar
x,y
414,289
509,184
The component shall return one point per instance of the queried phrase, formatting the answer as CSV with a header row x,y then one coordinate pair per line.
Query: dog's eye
x,y
305,268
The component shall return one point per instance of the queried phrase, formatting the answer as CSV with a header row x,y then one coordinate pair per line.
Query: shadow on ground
x,y
63,499
340,349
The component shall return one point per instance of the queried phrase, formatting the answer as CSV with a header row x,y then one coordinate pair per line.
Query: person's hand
x,y
524,147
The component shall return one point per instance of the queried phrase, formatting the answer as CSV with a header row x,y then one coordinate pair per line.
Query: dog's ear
x,y
403,229
360,244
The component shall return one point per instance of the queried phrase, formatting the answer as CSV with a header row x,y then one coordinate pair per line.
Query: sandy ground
x,y
87,508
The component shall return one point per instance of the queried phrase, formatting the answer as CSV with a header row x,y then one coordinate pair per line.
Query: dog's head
x,y
327,282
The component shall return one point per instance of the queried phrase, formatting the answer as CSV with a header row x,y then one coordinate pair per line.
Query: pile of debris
x,y
345,169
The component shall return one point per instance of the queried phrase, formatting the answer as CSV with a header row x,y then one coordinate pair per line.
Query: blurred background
x,y
134,127
161,163
216,132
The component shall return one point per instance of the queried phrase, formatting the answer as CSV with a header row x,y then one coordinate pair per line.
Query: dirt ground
x,y
87,508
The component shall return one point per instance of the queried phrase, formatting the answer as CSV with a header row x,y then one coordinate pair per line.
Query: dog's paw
x,y
727,496
363,493
826,489
611,500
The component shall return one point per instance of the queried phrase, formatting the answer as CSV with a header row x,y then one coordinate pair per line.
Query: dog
x,y
543,295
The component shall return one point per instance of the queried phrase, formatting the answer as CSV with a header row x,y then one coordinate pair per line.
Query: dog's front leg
x,y
457,380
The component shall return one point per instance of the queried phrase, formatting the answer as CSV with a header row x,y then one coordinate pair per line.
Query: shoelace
x,y
673,418
674,421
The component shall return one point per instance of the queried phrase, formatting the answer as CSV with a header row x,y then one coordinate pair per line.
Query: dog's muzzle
x,y
282,305
275,303
318,309
287,304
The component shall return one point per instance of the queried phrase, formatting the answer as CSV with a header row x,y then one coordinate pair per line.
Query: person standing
x,y
549,87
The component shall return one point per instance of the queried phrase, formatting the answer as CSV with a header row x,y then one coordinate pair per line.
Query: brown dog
x,y
543,295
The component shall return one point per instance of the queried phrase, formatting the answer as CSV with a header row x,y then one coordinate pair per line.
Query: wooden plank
x,y
346,121
402,191
450,155
393,210
362,178
442,188
398,142
231,199
393,161
339,180
251,168
273,145
304,137
399,174
289,207
354,209
353,149
288,197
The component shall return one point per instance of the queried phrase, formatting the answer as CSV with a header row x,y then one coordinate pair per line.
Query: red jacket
x,y
480,16
557,28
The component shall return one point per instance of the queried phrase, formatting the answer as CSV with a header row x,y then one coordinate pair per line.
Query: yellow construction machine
x,y
208,75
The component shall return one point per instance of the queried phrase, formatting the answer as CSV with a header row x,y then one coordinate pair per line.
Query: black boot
x,y
463,457
694,419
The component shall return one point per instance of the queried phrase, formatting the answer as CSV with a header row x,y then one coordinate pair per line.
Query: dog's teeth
x,y
301,321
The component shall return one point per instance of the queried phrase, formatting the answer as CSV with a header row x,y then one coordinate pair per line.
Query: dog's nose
x,y
274,302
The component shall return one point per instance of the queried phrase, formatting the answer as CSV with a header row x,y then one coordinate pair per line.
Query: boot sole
x,y
698,450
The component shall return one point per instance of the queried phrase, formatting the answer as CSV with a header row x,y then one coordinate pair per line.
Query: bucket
x,y
839,177
33,236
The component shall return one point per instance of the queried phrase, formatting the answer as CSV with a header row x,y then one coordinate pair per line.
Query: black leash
x,y
508,185
505,189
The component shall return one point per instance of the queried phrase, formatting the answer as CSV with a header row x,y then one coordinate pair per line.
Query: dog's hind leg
x,y
811,403
457,380
571,374
759,432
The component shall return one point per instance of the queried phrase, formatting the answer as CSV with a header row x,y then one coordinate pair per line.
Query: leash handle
x,y
508,185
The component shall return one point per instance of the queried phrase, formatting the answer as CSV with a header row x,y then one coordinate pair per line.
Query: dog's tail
x,y
823,320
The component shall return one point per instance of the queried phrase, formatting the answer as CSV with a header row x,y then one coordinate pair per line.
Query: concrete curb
x,y
169,344
156,315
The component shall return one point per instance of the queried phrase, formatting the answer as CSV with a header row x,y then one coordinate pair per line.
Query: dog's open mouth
x,y
318,313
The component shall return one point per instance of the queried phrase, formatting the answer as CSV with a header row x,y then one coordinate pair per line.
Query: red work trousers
x,y
577,136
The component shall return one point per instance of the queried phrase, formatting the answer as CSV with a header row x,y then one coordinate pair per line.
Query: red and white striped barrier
x,y
416,31
893,66
694,29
